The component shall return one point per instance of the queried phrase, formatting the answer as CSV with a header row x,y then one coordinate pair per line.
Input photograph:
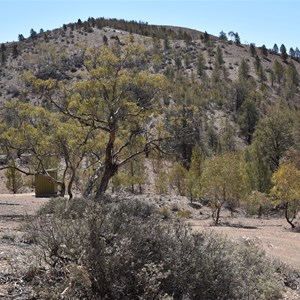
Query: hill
x,y
218,90
203,126
63,50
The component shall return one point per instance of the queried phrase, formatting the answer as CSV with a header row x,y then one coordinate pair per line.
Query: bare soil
x,y
272,234
15,252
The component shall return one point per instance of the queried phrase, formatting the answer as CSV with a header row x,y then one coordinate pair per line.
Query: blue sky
x,y
260,22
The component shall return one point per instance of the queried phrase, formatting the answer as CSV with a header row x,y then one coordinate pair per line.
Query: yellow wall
x,y
44,187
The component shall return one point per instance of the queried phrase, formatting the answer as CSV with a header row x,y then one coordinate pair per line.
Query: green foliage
x,y
176,178
105,40
247,119
223,36
223,182
258,172
3,54
104,118
184,214
235,36
63,208
14,179
184,124
132,176
165,213
48,138
258,203
161,183
201,64
257,63
219,56
206,37
118,102
15,51
124,251
178,62
273,136
286,190
275,48
226,141
243,70
33,34
252,49
194,174
283,52
278,71
292,81
264,50
21,37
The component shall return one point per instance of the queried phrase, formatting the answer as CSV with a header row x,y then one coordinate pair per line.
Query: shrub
x,y
14,179
124,251
258,204
184,214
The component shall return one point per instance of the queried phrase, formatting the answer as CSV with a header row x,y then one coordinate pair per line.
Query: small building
x,y
44,186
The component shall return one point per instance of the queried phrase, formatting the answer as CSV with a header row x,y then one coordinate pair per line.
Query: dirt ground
x,y
273,235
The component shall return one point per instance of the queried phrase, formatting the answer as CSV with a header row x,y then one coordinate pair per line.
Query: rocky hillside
x,y
212,80
60,53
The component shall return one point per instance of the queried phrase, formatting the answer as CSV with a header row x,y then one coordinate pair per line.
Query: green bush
x,y
184,214
258,204
125,251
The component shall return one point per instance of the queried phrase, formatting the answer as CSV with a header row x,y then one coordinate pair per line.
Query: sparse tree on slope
x,y
283,52
194,174
223,36
252,49
235,36
264,50
292,52
275,48
248,118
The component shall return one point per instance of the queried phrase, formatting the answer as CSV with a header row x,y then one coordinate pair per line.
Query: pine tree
x,y
283,52
21,37
275,48
15,51
3,54
252,50
292,52
264,50
223,36
33,34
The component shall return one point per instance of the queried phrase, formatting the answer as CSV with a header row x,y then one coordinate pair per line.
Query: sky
x,y
261,22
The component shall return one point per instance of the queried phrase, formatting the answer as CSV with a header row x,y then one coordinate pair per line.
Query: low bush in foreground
x,y
125,251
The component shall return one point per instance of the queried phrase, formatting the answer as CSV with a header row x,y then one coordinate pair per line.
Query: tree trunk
x,y
111,167
286,206
132,174
71,184
109,172
62,190
89,187
218,216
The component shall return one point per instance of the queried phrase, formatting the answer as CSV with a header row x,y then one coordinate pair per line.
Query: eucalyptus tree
x,y
286,190
117,101
223,182
49,140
